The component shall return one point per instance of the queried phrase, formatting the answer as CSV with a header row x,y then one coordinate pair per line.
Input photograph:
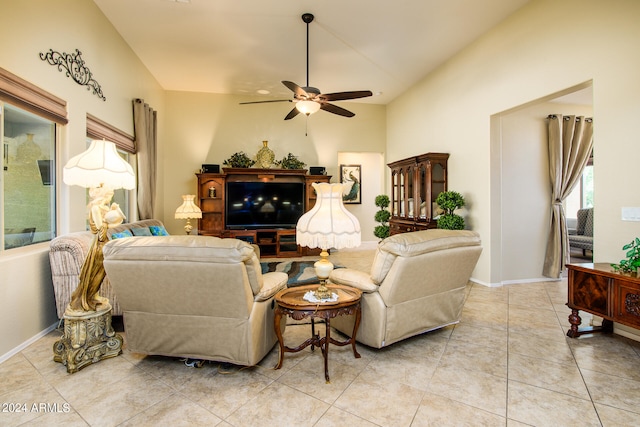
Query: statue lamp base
x,y
88,338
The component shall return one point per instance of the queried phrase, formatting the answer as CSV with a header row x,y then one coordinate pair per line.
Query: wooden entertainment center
x,y
276,241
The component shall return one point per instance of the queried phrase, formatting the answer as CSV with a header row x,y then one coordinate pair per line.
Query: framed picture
x,y
351,177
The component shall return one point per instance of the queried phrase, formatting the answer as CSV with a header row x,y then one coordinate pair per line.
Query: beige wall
x,y
209,128
542,49
27,28
524,188
372,184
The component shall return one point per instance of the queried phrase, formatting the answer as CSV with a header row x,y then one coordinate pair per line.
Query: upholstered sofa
x,y
67,254
417,283
197,297
582,238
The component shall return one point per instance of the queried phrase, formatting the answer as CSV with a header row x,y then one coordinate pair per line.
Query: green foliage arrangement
x,y
632,262
239,160
382,216
290,162
449,201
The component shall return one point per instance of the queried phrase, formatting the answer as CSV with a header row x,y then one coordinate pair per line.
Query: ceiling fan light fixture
x,y
307,107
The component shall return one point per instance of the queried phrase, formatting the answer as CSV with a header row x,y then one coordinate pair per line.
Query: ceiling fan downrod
x,y
307,18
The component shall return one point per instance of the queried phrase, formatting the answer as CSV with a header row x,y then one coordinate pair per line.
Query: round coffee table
x,y
290,302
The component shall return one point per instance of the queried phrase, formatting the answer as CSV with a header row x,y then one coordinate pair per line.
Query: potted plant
x,y
630,264
382,216
449,201
290,162
239,160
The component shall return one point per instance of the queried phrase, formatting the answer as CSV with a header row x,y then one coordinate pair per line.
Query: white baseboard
x,y
27,343
513,282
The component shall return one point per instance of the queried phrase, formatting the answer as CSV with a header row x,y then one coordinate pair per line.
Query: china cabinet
x,y
415,184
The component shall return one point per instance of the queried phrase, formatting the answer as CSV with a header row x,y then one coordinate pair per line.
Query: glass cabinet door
x,y
395,192
402,193
410,193
422,192
438,182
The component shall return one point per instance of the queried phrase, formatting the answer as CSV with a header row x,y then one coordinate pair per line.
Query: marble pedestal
x,y
88,338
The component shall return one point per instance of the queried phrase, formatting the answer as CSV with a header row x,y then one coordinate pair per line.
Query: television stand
x,y
280,243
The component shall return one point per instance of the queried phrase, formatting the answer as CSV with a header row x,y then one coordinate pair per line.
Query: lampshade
x,y
99,165
307,107
188,208
328,224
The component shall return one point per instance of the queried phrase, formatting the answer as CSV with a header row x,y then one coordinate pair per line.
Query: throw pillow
x,y
158,230
120,235
141,231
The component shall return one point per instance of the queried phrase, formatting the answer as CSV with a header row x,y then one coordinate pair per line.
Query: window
x,y
582,194
29,117
120,196
98,129
28,178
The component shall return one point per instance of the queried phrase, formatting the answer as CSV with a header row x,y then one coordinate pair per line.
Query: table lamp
x,y
188,210
327,225
101,169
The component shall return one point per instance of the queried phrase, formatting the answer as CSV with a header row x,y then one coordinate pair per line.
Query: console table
x,y
597,289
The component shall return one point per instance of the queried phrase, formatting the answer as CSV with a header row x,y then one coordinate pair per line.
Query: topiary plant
x,y
382,216
449,201
632,262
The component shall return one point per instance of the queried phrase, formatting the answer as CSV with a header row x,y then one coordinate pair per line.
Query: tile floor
x,y
508,363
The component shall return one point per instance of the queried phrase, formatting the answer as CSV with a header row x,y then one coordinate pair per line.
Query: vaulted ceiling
x,y
247,47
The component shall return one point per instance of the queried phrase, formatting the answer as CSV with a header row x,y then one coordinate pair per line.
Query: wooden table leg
x,y
355,330
575,320
276,324
325,350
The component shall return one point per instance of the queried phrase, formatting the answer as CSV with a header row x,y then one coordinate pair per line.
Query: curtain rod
x,y
555,116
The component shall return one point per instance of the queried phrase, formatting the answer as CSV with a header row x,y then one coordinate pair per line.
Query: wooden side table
x,y
290,302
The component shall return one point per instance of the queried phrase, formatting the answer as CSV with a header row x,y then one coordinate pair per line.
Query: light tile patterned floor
x,y
508,363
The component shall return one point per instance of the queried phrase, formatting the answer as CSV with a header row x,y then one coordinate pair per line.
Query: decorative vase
x,y
265,156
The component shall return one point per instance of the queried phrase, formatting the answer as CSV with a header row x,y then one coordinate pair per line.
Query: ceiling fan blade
x,y
292,114
336,110
262,102
297,90
340,96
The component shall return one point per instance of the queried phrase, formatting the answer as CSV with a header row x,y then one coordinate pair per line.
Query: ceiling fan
x,y
308,99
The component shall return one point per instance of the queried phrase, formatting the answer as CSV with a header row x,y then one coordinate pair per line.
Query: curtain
x,y
570,145
145,128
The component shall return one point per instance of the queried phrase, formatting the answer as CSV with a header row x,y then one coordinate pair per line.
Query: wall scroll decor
x,y
351,177
75,68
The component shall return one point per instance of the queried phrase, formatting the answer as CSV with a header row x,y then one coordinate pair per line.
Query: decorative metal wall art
x,y
75,68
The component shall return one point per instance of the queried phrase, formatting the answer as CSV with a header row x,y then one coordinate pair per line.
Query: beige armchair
x,y
417,283
197,297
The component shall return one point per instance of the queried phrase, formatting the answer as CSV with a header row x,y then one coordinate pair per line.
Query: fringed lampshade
x,y
188,210
327,225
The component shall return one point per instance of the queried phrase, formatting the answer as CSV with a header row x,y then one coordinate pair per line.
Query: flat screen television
x,y
254,205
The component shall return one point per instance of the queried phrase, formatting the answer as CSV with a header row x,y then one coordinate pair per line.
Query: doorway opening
x,y
520,187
